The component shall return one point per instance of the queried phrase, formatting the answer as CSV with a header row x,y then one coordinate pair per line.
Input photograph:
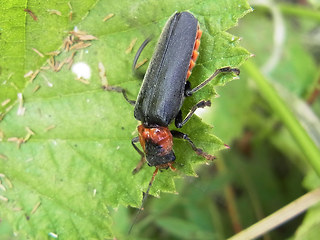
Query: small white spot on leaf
x,y
53,235
82,70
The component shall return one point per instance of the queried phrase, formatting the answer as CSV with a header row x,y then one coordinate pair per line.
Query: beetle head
x,y
157,144
155,155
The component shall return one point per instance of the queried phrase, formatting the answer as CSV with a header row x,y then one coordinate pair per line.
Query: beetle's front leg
x,y
119,90
142,160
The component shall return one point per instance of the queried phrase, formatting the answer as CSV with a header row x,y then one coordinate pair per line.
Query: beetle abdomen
x,y
195,52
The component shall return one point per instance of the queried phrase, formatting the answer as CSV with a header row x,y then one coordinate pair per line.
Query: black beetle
x,y
165,85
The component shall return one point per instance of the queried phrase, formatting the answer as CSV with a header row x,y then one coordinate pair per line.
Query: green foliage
x,y
76,157
20,33
277,172
265,168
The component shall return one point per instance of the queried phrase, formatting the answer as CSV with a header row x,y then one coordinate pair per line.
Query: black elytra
x,y
162,91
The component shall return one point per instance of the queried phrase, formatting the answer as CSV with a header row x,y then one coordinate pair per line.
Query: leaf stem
x,y
304,141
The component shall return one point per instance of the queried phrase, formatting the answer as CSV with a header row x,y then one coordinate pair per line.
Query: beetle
x,y
164,88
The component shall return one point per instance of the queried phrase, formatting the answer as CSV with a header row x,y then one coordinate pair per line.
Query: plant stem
x,y
304,141
280,217
312,96
301,11
294,10
230,199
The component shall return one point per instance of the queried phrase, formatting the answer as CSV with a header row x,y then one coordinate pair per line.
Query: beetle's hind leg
x,y
198,151
189,91
178,120
142,160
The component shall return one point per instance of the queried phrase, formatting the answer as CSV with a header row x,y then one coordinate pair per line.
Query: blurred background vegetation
x,y
266,167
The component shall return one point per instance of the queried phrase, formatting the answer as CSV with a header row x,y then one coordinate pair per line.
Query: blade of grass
x,y
304,141
279,217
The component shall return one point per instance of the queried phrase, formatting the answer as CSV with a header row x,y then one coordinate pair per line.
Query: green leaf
x,y
20,33
76,159
310,228
183,229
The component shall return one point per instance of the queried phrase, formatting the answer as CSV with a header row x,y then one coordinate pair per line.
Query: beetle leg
x,y
178,120
119,90
139,165
236,71
142,160
187,88
134,70
198,151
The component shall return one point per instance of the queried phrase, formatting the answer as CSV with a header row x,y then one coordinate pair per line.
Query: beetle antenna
x,y
136,57
144,199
